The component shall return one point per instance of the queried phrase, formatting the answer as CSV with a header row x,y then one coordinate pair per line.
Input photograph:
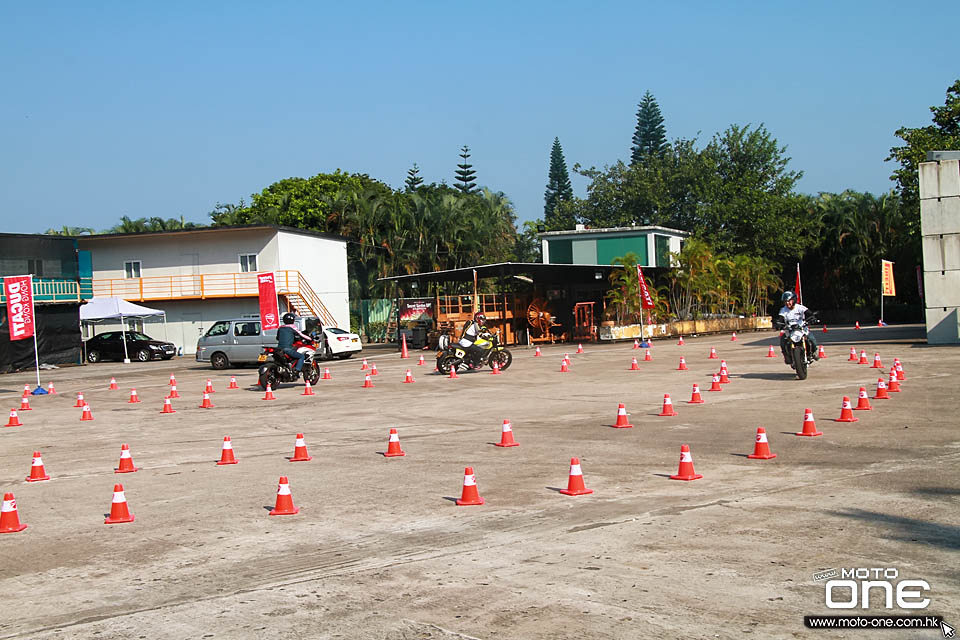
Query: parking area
x,y
380,550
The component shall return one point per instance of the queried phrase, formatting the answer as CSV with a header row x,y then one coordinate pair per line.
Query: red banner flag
x,y
799,291
646,302
269,310
19,292
889,288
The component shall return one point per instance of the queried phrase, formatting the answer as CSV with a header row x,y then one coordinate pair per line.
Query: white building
x,y
199,276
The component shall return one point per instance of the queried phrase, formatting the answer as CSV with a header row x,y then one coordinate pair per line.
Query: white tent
x,y
116,308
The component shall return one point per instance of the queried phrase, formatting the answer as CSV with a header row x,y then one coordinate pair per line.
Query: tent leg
x,y
123,329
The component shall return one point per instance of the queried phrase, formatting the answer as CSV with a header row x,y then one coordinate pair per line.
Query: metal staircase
x,y
304,299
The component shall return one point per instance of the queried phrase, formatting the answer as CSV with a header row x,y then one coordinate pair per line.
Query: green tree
x,y
466,180
650,136
559,188
69,231
413,178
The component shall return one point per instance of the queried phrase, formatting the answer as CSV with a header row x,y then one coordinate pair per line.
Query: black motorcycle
x,y
451,355
282,368
799,349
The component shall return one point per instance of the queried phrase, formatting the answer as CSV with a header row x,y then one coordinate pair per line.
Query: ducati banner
x,y
19,293
646,302
269,311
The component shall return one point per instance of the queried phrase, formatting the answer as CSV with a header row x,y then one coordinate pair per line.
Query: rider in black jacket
x,y
287,334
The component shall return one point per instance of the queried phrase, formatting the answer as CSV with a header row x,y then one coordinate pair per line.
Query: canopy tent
x,y
116,308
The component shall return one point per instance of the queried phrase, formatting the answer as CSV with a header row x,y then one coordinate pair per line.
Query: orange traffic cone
x,y
856,325
893,386
667,406
134,398
771,353
647,357
206,404
167,407
881,390
326,374
877,364
686,472
9,520
173,392
575,486
25,404
113,384
307,388
408,379
453,374
404,354
824,328
579,348
680,342
853,355
421,361
470,495
809,426
761,449
566,358
87,414
683,365
863,357
563,367
820,352
393,446
209,387
364,366
898,365
373,369
713,354
636,344
506,436
846,411
300,450
367,382
26,390
715,383
723,376
622,422
119,512
733,338
496,367
268,394
695,398
14,420
863,403
284,505
173,380
233,383
80,401
51,390
537,354
37,474
634,366
226,453
126,462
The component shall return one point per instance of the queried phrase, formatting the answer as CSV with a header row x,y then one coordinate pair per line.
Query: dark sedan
x,y
109,346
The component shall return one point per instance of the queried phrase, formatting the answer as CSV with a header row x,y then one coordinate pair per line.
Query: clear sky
x,y
166,108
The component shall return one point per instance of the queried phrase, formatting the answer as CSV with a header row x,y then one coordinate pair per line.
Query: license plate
x,y
354,339
262,357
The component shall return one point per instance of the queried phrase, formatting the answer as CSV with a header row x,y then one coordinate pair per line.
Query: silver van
x,y
236,341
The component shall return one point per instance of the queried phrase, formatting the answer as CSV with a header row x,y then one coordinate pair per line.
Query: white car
x,y
341,344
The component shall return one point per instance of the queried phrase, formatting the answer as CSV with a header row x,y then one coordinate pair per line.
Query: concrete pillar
x,y
940,231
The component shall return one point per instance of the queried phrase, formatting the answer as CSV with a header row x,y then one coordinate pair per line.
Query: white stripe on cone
x,y
685,456
300,443
394,437
8,506
125,453
469,481
507,426
118,497
575,470
762,437
863,392
37,462
229,445
283,490
847,405
808,416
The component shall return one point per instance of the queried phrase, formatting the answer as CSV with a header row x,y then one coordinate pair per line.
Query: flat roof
x,y
536,271
241,227
652,227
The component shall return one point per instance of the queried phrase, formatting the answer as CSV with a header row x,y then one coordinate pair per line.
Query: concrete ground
x,y
380,550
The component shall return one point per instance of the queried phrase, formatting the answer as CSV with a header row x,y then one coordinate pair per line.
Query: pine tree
x,y
413,178
558,185
466,177
650,136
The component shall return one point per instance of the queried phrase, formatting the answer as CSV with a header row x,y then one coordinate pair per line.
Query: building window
x,y
248,262
35,267
131,269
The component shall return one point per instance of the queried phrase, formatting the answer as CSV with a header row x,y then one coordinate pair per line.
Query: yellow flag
x,y
889,288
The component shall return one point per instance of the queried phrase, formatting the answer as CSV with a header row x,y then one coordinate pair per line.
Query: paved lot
x,y
379,550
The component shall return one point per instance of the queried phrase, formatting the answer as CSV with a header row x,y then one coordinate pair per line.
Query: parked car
x,y
239,341
141,347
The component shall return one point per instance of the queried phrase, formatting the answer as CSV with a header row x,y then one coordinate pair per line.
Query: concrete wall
x,y
940,231
324,265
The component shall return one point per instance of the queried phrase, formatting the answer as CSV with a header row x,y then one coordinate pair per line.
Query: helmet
x,y
788,296
288,318
479,318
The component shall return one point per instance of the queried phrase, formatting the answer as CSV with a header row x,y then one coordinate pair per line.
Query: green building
x,y
652,244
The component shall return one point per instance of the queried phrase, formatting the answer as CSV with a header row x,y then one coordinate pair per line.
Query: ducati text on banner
x,y
646,302
269,311
19,292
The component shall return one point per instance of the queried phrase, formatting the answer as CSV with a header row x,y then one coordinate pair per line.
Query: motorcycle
x,y
450,355
799,348
282,368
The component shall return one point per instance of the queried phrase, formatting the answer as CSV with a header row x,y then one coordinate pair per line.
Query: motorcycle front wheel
x,y
268,376
800,361
313,374
503,359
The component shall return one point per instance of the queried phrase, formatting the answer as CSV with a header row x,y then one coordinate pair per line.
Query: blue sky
x,y
165,109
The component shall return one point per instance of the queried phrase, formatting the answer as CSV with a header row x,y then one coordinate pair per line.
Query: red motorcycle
x,y
282,368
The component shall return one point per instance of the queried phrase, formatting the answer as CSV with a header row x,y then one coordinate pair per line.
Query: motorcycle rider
x,y
287,334
472,333
793,311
